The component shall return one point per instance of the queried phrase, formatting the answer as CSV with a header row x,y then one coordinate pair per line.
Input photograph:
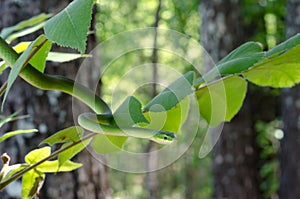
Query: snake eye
x,y
165,137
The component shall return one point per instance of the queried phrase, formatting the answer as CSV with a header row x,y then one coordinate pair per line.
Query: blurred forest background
x,y
257,155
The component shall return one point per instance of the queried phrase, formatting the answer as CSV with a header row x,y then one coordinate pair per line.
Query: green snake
x,y
92,122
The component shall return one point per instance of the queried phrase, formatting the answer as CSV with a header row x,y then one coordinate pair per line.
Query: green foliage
x,y
33,24
2,66
55,166
173,94
16,132
33,180
284,46
170,120
129,112
259,30
235,62
221,100
70,26
64,57
267,139
66,155
10,118
35,53
218,100
37,155
282,70
104,144
71,134
68,136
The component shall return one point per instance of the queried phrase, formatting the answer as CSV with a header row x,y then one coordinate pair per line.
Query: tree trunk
x,y
50,111
235,155
290,144
151,177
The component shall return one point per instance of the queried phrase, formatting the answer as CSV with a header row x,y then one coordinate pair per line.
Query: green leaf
x,y
32,182
40,44
235,62
38,60
22,46
173,94
70,26
278,71
286,45
65,57
170,120
37,155
104,144
53,166
17,132
10,118
129,112
24,24
3,66
246,49
71,134
25,32
221,100
71,152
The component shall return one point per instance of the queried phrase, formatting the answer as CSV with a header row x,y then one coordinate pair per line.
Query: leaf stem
x,y
54,154
3,88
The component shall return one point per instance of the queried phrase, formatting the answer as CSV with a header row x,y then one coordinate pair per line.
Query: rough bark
x,y
50,111
290,144
151,179
234,156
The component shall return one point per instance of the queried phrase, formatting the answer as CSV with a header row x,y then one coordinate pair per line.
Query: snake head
x,y
164,137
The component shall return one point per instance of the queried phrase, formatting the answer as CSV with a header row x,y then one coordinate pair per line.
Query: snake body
x,y
88,121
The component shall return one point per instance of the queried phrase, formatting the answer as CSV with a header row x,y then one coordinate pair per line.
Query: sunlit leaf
x,y
70,26
16,132
22,46
65,57
173,94
3,66
279,71
71,134
240,59
53,166
221,100
24,32
37,155
52,56
38,60
24,24
71,152
32,182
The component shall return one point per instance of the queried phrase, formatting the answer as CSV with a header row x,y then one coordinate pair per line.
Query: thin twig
x,y
3,88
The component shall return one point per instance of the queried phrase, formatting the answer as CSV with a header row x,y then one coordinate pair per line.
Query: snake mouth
x,y
173,135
